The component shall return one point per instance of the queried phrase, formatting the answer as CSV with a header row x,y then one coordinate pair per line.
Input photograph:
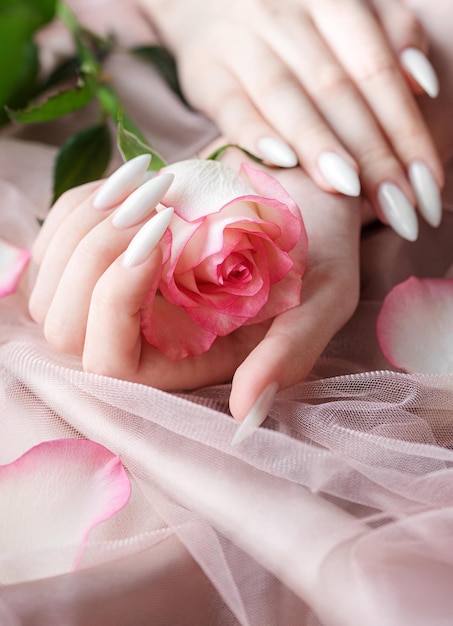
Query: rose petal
x,y
284,295
13,261
415,326
55,494
170,329
202,187
277,209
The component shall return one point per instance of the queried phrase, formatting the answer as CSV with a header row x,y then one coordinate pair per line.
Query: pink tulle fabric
x,y
338,512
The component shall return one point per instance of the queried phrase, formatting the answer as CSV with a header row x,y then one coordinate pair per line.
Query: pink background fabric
x,y
338,512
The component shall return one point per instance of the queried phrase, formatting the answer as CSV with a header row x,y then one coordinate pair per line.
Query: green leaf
x,y
132,145
56,106
26,85
164,63
65,72
19,21
83,158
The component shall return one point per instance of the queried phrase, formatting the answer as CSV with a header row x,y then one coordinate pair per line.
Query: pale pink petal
x,y
171,330
13,261
284,295
202,187
276,206
415,326
56,493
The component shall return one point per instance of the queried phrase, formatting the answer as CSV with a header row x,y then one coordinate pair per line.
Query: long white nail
x,y
142,201
257,414
429,200
277,152
339,173
120,184
398,211
149,235
418,66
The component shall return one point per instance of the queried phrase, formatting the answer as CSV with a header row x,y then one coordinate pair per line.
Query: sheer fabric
x,y
339,511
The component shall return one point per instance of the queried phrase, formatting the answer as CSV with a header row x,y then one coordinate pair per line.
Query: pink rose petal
x,y
171,330
55,494
415,326
13,261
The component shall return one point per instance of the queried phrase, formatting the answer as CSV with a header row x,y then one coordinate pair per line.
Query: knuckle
x,y
103,295
331,81
221,107
377,67
375,157
280,85
89,249
58,336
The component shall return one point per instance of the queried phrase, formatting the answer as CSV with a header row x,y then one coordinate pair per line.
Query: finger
x,y
67,314
223,98
291,347
371,64
345,112
56,253
113,341
62,208
71,222
278,97
401,26
107,194
330,291
409,42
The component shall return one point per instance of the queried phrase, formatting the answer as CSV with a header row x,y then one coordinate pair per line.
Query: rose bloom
x,y
234,255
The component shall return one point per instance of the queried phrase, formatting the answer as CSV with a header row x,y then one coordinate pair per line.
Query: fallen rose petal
x,y
415,326
13,261
54,495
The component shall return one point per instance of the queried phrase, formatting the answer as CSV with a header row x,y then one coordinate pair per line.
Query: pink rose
x,y
234,255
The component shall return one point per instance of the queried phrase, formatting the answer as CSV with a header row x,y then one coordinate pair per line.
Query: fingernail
x,y
277,152
147,238
142,201
120,184
339,173
256,416
398,211
427,192
418,66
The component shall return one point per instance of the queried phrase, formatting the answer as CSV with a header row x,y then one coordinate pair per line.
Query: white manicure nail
x,y
398,211
142,201
120,184
147,238
429,200
339,173
418,66
277,152
256,416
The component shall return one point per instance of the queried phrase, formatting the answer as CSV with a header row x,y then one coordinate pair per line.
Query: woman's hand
x,y
92,283
326,83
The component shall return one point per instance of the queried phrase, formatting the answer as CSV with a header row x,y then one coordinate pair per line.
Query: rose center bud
x,y
236,269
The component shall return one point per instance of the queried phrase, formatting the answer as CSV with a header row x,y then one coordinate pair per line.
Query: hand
x,y
88,301
327,83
